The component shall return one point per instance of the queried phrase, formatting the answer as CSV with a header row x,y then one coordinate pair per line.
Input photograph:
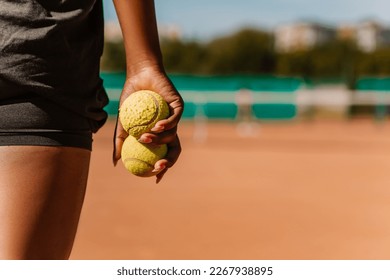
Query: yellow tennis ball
x,y
141,111
140,158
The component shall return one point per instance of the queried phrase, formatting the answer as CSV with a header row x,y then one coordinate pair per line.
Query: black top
x,y
53,48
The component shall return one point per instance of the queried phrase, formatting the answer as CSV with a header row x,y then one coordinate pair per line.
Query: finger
x,y
159,138
174,150
176,110
160,175
119,137
162,166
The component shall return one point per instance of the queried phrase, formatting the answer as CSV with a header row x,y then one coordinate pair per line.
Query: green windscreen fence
x,y
373,84
379,89
214,97
235,83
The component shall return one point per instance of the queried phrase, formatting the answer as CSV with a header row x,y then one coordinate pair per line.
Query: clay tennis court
x,y
295,190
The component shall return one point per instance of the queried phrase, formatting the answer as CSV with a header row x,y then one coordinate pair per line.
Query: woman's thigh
x,y
41,194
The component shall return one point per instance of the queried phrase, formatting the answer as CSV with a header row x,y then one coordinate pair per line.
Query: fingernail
x,y
158,128
159,168
145,139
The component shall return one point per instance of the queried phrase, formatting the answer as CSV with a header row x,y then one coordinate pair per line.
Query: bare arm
x,y
145,70
138,23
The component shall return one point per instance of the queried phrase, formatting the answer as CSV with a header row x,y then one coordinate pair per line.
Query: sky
x,y
204,19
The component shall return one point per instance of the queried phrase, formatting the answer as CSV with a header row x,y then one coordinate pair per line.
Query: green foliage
x,y
114,57
183,57
374,64
247,51
250,51
334,59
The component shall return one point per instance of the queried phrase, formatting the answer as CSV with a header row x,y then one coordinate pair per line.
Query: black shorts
x,y
31,120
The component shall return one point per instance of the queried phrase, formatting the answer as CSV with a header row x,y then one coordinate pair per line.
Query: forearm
x,y
138,23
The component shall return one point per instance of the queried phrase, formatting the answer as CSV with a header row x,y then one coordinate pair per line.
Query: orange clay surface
x,y
299,190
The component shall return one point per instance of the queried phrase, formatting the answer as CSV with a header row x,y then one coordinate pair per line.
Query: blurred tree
x,y
250,51
114,57
247,51
182,57
292,64
334,59
374,64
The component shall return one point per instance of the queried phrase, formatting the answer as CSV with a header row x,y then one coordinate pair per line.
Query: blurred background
x,y
285,136
301,47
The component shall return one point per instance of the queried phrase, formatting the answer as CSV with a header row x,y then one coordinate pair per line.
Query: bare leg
x,y
41,194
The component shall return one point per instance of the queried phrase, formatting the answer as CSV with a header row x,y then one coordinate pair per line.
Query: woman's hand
x,y
165,131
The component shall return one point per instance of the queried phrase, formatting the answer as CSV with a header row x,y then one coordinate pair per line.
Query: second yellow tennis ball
x,y
139,158
141,111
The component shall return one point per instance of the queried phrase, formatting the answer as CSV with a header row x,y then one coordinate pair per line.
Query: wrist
x,y
144,63
146,75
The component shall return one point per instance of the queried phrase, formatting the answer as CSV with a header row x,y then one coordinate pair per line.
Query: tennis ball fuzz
x,y
141,111
140,158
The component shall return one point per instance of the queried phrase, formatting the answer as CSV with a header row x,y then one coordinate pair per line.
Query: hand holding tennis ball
x,y
138,114
140,158
141,111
